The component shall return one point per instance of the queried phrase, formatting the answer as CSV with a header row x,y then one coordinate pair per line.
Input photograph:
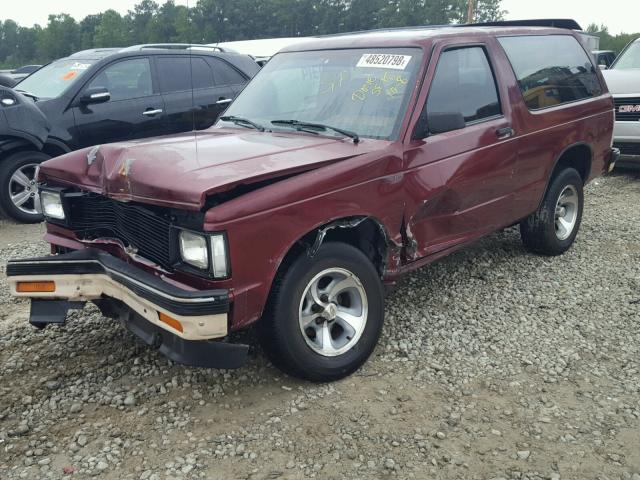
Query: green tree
x,y
140,19
112,31
88,27
60,38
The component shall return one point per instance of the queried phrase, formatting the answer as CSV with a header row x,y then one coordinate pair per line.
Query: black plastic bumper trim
x,y
194,353
95,262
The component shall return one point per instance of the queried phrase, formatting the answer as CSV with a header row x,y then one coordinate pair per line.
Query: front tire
x,y
325,314
18,186
552,229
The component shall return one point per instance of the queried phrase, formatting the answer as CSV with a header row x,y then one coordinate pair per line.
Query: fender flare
x,y
8,144
557,161
59,144
11,143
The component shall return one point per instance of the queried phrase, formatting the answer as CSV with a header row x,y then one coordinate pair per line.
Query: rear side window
x,y
551,69
464,83
225,74
174,74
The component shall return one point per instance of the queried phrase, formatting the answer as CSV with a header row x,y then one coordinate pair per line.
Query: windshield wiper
x,y
27,94
317,126
243,122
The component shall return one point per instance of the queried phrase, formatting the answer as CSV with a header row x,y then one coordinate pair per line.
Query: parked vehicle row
x,y
107,95
347,162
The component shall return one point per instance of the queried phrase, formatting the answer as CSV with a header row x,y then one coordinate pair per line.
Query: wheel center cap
x,y
330,312
562,211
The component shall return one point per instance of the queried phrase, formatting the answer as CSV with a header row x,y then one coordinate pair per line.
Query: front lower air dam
x,y
188,326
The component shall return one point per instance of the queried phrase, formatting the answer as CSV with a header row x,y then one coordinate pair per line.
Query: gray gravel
x,y
494,364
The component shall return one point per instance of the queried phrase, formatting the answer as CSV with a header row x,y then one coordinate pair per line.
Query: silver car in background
x,y
623,80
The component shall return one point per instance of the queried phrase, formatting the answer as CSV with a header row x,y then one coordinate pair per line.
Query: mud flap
x,y
46,312
194,353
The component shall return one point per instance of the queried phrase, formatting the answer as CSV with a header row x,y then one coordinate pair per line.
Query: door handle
x,y
224,101
152,112
505,132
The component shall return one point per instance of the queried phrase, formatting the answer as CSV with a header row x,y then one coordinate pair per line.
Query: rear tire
x,y
18,186
552,229
325,314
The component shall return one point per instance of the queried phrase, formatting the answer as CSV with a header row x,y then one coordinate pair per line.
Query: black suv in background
x,y
107,95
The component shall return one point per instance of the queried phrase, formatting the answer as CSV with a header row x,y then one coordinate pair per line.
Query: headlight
x,y
51,203
219,256
194,249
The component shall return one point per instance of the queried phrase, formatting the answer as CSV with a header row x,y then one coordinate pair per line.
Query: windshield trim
x,y
405,112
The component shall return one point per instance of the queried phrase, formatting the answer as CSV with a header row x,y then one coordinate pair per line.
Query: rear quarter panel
x,y
545,134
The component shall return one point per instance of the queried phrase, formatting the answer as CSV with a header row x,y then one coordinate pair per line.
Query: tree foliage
x,y
611,42
211,21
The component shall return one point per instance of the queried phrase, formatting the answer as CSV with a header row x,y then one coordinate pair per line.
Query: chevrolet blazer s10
x,y
345,163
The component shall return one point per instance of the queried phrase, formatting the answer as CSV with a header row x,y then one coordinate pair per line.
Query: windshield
x,y
51,81
364,91
630,58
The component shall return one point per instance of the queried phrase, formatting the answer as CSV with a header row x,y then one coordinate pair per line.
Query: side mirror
x,y
602,66
444,122
95,95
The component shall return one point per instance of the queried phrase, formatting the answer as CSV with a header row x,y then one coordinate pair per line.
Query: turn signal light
x,y
172,322
36,287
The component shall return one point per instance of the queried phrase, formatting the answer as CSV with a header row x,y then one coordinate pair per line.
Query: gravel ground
x,y
494,364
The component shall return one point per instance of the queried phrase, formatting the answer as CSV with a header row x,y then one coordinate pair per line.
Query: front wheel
x,y
552,229
325,314
18,186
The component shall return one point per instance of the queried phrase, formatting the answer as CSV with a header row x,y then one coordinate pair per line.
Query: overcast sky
x,y
618,15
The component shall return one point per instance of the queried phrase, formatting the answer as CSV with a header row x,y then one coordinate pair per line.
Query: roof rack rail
x,y
387,29
566,23
172,46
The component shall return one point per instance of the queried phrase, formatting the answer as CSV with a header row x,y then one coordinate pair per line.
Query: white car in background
x,y
623,80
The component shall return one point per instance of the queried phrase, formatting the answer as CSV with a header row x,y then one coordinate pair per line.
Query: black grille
x,y
148,233
627,148
627,109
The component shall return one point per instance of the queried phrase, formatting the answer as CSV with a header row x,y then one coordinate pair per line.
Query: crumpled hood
x,y
177,171
622,82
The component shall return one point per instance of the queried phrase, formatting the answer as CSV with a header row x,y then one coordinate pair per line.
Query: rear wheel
x,y
18,186
325,314
552,229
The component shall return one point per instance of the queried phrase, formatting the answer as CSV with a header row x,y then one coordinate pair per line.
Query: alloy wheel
x,y
23,189
333,312
566,213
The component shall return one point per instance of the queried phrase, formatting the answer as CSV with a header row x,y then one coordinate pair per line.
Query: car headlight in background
x,y
219,256
205,252
51,203
194,249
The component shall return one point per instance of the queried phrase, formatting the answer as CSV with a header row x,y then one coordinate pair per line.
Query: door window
x,y
171,71
464,83
126,79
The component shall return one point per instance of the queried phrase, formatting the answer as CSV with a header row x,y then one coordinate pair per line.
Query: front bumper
x,y
629,153
195,317
626,137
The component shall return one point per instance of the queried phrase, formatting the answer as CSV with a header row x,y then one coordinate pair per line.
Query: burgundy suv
x,y
346,163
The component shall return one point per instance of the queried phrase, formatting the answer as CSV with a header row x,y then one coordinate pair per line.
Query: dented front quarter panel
x,y
263,225
181,171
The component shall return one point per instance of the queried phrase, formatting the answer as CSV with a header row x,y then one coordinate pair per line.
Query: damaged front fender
x,y
367,234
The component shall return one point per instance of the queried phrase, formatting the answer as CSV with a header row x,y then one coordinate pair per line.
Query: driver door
x,y
135,108
460,182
